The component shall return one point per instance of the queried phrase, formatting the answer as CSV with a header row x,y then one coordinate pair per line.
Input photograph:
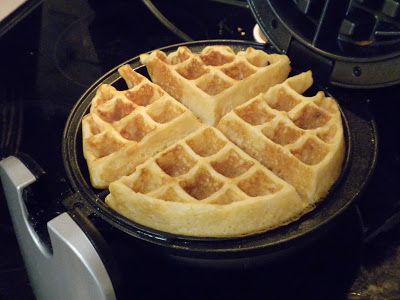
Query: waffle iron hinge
x,y
72,269
303,58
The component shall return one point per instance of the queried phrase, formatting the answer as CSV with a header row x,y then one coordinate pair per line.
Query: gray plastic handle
x,y
73,269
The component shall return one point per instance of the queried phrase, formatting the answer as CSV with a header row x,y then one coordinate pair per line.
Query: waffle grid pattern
x,y
197,169
296,135
205,185
122,120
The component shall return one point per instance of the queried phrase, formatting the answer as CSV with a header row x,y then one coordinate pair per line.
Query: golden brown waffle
x,y
270,160
215,81
299,138
124,128
204,185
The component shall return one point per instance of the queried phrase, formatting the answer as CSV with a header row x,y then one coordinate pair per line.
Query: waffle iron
x,y
88,241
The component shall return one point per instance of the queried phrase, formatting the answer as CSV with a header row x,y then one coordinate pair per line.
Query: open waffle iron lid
x,y
361,145
353,44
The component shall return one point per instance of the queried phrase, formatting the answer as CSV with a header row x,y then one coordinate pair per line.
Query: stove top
x,y
69,45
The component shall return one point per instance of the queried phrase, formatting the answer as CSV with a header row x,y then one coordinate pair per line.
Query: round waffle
x,y
265,164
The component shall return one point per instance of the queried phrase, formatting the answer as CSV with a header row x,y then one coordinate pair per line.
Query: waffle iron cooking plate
x,y
361,143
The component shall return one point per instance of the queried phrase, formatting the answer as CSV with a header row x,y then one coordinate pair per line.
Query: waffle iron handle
x,y
69,268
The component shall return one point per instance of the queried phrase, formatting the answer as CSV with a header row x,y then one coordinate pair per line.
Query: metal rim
x,y
271,239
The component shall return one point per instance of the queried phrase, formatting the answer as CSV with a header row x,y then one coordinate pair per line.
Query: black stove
x,y
57,52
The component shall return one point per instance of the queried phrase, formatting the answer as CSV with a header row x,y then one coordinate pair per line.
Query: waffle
x,y
215,81
299,138
124,128
204,185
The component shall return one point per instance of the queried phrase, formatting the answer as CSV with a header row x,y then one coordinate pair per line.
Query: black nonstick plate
x,y
361,154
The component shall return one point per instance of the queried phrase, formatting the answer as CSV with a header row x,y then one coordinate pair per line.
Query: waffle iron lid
x,y
348,43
